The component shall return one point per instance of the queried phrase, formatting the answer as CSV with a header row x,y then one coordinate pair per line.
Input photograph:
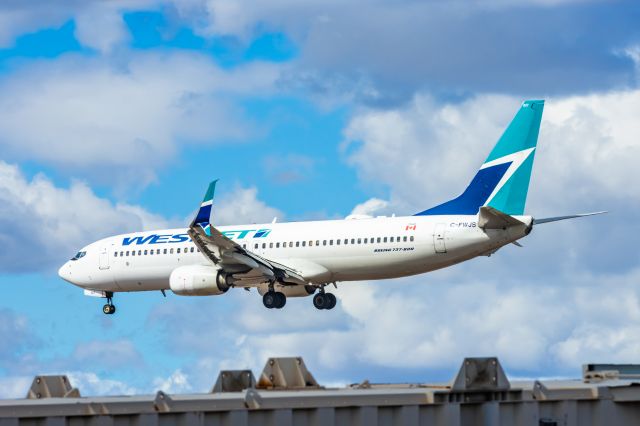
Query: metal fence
x,y
286,393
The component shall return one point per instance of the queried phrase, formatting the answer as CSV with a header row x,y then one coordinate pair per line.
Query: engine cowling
x,y
289,290
199,280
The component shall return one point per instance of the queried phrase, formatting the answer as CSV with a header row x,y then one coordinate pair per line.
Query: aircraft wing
x,y
248,268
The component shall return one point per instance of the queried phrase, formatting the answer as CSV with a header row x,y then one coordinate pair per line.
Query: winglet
x,y
203,217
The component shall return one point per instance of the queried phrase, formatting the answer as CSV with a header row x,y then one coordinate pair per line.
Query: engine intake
x,y
199,280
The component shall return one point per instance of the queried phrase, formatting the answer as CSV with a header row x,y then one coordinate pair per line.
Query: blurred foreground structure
x,y
286,393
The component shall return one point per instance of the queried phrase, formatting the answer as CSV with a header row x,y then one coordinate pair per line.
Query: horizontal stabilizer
x,y
557,218
490,218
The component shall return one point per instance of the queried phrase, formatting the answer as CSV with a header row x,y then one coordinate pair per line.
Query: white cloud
x,y
101,26
428,152
370,207
177,382
14,387
119,123
37,216
91,384
18,18
243,206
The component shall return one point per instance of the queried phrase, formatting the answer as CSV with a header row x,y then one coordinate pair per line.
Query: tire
x,y
331,300
319,301
113,309
269,300
106,309
281,300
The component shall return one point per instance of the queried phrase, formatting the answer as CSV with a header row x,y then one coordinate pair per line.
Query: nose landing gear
x,y
109,308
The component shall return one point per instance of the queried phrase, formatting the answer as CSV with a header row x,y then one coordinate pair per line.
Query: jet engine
x,y
289,290
199,280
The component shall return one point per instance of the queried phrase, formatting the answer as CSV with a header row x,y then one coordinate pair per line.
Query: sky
x,y
114,116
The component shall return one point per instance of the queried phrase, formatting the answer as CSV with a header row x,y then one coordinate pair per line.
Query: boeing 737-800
x,y
301,258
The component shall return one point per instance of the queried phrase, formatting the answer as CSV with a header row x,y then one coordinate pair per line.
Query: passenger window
x,y
120,254
310,243
346,241
244,246
353,241
193,249
304,244
324,242
165,251
317,243
145,252
398,239
256,246
170,251
365,240
378,240
277,245
115,254
391,239
178,250
297,243
411,238
330,242
404,239
127,253
338,242
264,245
270,245
385,239
290,243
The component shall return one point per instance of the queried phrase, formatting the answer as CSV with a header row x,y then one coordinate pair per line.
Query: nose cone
x,y
65,272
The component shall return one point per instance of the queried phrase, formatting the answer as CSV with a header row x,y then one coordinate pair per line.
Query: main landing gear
x,y
109,308
324,300
274,299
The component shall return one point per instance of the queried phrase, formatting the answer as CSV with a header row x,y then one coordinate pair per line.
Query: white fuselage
x,y
322,251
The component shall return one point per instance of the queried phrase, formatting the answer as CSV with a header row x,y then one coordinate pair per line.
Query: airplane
x,y
300,259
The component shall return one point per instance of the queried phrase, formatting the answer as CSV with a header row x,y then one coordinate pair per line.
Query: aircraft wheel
x,y
281,300
109,309
113,309
331,300
269,299
320,301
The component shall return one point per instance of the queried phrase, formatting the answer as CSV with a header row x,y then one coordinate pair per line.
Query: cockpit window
x,y
79,255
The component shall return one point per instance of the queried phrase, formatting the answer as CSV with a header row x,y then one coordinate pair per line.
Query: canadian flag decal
x,y
410,227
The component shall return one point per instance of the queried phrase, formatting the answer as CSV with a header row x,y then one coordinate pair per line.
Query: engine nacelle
x,y
289,290
199,280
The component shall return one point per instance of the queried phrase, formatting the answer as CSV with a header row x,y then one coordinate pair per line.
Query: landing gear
x,y
109,308
274,299
324,300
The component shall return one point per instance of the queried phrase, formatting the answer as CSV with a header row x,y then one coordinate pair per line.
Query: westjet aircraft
x,y
300,259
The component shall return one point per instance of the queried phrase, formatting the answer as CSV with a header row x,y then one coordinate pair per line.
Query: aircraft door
x,y
103,260
438,238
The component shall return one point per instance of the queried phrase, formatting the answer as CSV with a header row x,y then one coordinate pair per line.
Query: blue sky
x,y
115,116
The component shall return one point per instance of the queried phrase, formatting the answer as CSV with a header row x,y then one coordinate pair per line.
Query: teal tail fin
x,y
503,180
